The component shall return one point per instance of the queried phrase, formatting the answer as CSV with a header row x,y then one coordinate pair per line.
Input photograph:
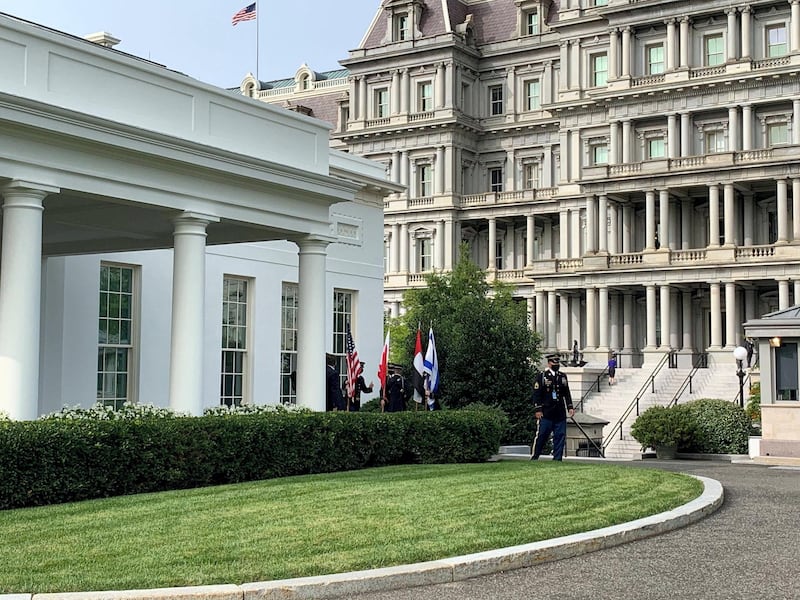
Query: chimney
x,y
103,38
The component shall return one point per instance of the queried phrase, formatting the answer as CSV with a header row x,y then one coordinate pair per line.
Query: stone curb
x,y
439,571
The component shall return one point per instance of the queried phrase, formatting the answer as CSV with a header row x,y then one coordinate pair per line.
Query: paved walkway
x,y
746,549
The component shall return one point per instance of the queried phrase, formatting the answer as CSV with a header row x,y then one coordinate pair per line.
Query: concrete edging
x,y
439,571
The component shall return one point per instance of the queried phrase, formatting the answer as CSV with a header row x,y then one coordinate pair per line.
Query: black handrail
x,y
579,405
686,383
749,383
651,381
588,439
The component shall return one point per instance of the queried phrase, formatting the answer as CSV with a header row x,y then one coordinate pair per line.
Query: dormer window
x,y
401,27
532,22
531,16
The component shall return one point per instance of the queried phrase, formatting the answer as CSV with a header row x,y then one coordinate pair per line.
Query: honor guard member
x,y
552,402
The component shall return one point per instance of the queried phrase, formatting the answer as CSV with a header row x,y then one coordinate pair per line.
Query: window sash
x,y
401,27
715,142
115,335
234,356
533,95
343,302
600,70
289,309
531,176
776,41
425,180
496,100
496,180
381,103
532,22
655,60
424,254
599,154
425,97
656,148
715,50
778,133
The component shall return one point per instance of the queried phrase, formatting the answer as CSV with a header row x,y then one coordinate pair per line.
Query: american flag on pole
x,y
354,368
248,13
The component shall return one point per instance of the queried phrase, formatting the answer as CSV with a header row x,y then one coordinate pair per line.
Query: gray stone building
x,y
631,166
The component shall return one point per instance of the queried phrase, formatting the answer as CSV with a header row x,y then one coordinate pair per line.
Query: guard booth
x,y
577,444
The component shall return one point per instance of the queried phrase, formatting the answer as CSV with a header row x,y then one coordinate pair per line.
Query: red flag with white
x,y
383,366
354,368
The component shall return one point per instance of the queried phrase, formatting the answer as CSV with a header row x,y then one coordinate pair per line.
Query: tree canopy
x,y
486,350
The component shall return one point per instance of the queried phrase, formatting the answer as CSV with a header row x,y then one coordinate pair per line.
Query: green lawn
x,y
319,524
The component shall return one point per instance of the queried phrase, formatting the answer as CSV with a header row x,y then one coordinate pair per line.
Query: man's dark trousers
x,y
559,431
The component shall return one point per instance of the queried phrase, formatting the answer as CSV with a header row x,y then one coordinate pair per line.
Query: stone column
x,y
530,235
404,172
651,336
650,220
685,43
394,249
613,54
613,225
439,170
575,237
602,224
540,315
626,141
674,321
627,228
531,311
492,244
405,90
795,211
686,134
20,298
311,311
449,86
730,315
591,225
687,217
404,247
440,86
713,215
731,35
363,101
439,264
749,218
394,109
671,45
686,312
663,206
747,127
665,316
794,38
716,316
733,128
729,214
626,52
604,318
672,138
563,234
552,322
575,64
796,121
563,79
188,313
783,294
591,318
449,244
614,332
783,211
627,321
747,32
569,306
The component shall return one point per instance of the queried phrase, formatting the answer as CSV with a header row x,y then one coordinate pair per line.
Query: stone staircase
x,y
610,403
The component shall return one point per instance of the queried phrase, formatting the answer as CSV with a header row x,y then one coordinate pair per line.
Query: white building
x,y
168,242
631,166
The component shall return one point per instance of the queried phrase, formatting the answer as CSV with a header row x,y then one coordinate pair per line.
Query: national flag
x,y
248,13
354,368
431,367
383,366
418,377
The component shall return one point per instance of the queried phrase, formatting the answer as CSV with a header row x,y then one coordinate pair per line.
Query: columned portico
x,y
20,298
188,312
311,312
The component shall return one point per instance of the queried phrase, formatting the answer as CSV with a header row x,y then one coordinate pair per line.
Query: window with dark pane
x,y
234,341
115,334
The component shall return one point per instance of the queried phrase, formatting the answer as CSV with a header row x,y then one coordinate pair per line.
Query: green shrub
x,y
753,408
67,459
721,427
662,426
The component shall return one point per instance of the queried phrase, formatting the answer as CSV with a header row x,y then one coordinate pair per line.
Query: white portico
x,y
103,152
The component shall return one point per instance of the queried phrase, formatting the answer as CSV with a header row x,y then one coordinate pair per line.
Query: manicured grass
x,y
319,524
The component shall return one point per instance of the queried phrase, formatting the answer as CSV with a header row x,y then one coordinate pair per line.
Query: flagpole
x,y
258,78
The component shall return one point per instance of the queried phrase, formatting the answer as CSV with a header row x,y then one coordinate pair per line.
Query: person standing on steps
x,y
552,403
612,369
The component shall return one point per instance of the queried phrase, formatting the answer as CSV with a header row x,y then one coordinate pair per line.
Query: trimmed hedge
x,y
721,427
54,461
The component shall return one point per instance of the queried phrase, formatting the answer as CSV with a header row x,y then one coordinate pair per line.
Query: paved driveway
x,y
749,548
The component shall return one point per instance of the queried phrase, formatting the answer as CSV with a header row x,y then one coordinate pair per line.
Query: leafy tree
x,y
485,348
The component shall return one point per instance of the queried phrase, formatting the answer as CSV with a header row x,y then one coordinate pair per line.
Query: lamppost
x,y
740,354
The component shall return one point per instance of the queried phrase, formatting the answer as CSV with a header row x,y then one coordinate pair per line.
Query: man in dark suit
x,y
395,400
333,392
552,402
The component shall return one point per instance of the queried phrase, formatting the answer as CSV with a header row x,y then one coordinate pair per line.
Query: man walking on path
x,y
552,402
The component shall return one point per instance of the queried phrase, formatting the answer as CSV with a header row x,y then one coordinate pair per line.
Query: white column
x,y
687,215
747,32
530,235
795,26
440,86
713,215
540,314
795,210
747,127
613,227
627,228
671,45
492,244
439,169
672,137
591,225
363,105
575,238
591,318
575,64
20,298
796,121
312,290
567,307
563,234
783,294
674,321
449,244
439,245
613,146
626,141
730,315
405,88
627,321
188,313
394,249
650,220
449,88
651,337
613,321
733,128
404,172
602,224
686,134
626,52
603,320
663,208
685,42
394,109
552,323
729,214
782,212
665,316
749,218
563,74
613,54
404,247
731,34
716,316
686,311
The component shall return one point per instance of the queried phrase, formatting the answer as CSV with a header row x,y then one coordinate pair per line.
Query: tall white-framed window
x,y
532,22
599,64
425,96
530,175
424,179
116,335
714,141
288,374
496,100
654,57
235,319
499,253
656,147
380,108
533,94
777,133
401,27
424,254
343,306
496,179
777,40
713,50
598,152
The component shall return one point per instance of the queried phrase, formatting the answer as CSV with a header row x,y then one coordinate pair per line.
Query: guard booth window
x,y
786,372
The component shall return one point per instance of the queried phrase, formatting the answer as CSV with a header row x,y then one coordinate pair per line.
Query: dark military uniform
x,y
395,393
552,398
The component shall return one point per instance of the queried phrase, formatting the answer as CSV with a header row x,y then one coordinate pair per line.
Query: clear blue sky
x,y
197,38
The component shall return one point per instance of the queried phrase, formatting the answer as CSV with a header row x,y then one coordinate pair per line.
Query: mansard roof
x,y
493,20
